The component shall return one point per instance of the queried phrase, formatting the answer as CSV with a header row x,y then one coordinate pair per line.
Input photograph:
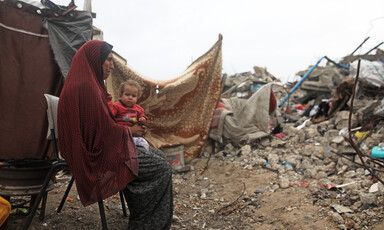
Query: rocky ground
x,y
310,179
215,195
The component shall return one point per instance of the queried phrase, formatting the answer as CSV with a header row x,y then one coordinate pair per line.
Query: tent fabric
x,y
27,71
243,120
181,112
67,36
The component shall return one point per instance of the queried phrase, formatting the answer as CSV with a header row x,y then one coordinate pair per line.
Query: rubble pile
x,y
326,161
320,83
243,85
317,152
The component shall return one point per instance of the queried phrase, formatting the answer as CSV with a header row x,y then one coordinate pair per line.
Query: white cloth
x,y
371,72
140,141
243,119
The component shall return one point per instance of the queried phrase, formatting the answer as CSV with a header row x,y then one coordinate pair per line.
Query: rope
x,y
23,31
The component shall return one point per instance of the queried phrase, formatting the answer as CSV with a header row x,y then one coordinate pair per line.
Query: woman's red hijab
x,y
100,153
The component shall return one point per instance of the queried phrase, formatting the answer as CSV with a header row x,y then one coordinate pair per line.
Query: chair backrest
x,y
52,104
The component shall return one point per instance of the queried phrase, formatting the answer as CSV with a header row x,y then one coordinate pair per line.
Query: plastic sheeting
x,y
67,36
371,72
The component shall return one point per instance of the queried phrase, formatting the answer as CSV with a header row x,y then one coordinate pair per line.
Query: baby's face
x,y
129,96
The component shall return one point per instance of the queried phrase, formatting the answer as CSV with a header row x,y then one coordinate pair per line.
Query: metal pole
x,y
87,5
299,83
374,48
337,64
360,45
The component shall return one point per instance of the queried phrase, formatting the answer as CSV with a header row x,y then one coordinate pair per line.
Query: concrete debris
x,y
242,85
316,150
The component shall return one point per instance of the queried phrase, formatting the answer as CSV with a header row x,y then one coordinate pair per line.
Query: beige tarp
x,y
242,120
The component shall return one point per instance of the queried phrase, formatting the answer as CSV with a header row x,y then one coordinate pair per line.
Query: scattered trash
x,y
175,156
19,211
361,135
290,208
287,164
347,184
378,152
303,125
280,135
341,208
374,188
330,187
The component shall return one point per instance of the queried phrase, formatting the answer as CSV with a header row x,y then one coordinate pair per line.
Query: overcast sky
x,y
160,38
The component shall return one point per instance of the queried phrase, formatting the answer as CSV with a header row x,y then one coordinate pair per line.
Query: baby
x,y
127,112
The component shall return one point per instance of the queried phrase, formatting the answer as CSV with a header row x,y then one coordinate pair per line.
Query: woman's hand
x,y
138,130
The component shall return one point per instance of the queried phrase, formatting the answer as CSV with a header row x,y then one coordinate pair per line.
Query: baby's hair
x,y
131,83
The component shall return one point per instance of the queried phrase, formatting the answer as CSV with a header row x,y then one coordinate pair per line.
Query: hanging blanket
x,y
179,110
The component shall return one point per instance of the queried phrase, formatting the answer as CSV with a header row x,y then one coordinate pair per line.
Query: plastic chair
x,y
60,164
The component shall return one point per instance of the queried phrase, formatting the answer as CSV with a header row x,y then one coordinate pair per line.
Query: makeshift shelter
x,y
33,62
180,110
37,46
238,120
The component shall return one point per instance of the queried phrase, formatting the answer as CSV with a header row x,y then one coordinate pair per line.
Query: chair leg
x,y
32,202
43,190
65,194
123,203
43,205
102,215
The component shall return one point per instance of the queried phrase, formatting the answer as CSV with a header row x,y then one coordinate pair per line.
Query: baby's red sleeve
x,y
112,107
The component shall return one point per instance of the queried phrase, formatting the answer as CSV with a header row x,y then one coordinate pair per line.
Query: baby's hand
x,y
142,120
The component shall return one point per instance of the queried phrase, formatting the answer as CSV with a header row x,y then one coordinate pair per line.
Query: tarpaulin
x,y
371,72
67,36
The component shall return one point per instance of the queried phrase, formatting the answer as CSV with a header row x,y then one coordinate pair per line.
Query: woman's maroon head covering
x,y
100,153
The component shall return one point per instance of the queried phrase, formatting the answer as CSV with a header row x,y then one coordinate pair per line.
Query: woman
x,y
101,153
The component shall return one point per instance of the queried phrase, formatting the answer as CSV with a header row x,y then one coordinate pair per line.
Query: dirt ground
x,y
213,195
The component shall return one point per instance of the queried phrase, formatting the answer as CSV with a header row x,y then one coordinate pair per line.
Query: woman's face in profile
x,y
108,66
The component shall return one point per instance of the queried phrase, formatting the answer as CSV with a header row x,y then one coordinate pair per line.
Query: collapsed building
x,y
326,134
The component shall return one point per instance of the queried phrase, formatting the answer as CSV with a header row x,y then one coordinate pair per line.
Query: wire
x,y
370,28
